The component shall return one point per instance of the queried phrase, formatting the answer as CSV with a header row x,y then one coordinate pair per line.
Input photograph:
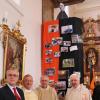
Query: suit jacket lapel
x,y
18,90
9,92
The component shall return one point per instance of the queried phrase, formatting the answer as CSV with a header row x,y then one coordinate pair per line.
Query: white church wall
x,y
89,8
30,16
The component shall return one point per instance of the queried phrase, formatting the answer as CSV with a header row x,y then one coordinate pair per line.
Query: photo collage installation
x,y
62,50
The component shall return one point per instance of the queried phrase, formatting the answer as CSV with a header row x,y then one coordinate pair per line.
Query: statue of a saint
x,y
62,14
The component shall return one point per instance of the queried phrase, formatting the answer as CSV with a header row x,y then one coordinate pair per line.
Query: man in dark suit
x,y
10,91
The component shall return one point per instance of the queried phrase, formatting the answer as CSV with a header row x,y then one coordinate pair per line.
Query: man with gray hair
x,y
44,91
28,88
77,91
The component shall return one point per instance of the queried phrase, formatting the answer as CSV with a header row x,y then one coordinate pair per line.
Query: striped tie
x,y
16,94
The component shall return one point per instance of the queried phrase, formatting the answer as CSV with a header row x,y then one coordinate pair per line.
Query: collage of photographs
x,y
65,45
62,46
62,84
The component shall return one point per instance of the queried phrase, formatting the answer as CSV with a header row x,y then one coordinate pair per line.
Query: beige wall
x,y
89,8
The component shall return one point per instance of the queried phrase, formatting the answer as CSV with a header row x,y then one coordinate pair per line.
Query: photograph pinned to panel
x,y
62,74
48,52
61,85
66,29
50,71
48,45
53,28
57,54
68,62
48,60
64,49
59,40
66,43
54,41
76,38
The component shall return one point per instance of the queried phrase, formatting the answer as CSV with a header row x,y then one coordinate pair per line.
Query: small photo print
x,y
76,38
64,49
66,29
52,83
48,52
73,48
48,45
50,72
61,94
59,40
54,41
53,28
80,39
61,85
48,60
66,43
62,74
57,54
68,63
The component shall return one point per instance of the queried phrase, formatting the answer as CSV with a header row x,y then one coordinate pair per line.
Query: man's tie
x,y
16,94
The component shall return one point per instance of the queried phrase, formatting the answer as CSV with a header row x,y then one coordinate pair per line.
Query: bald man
x,y
44,91
77,91
27,88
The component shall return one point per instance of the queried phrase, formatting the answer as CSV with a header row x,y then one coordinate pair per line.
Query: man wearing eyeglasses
x,y
10,91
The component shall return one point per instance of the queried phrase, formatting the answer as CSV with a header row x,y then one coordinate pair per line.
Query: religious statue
x,y
62,14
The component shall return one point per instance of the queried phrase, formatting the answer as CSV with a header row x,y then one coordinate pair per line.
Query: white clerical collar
x,y
78,87
26,90
45,88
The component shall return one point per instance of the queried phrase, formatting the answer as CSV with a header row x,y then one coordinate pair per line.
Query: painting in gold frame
x,y
92,52
14,50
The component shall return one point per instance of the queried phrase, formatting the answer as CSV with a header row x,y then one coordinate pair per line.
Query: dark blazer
x,y
96,93
7,94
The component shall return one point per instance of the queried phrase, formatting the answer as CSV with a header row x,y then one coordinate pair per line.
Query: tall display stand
x,y
62,51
